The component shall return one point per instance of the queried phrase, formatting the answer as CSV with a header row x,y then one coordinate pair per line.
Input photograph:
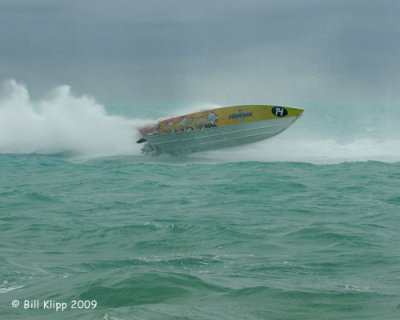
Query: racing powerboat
x,y
216,129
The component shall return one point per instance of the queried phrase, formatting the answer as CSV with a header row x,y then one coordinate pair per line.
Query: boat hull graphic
x,y
217,129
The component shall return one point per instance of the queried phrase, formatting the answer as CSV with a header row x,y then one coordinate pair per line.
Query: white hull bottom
x,y
217,137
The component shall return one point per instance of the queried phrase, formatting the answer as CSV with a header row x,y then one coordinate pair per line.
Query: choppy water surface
x,y
161,239
302,226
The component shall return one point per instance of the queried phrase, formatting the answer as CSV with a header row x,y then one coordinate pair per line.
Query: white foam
x,y
5,289
318,151
62,123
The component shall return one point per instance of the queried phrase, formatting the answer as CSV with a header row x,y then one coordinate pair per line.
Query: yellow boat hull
x,y
217,128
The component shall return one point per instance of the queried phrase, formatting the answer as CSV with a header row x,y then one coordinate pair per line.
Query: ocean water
x,y
302,226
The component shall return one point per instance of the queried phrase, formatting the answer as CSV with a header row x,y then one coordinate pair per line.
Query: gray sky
x,y
216,51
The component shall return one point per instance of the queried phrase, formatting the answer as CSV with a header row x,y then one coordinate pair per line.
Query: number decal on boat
x,y
279,111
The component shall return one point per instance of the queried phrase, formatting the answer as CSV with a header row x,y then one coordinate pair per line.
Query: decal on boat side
x,y
279,111
189,123
240,115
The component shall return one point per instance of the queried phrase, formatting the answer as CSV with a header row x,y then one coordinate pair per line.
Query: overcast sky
x,y
221,51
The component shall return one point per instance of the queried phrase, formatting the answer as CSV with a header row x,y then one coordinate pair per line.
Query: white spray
x,y
62,123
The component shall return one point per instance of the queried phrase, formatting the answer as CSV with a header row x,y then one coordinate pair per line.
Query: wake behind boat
x,y
217,128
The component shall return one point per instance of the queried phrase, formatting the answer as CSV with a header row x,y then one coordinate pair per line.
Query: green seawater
x,y
167,238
